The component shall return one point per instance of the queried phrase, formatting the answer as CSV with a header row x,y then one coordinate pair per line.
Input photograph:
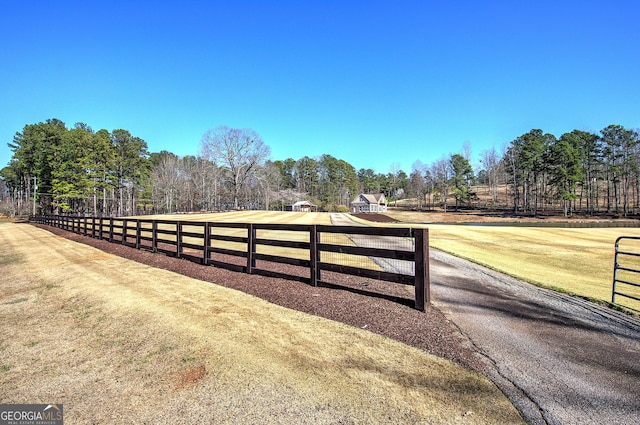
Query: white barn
x,y
303,206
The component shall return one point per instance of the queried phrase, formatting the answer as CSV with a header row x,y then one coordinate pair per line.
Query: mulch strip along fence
x,y
236,246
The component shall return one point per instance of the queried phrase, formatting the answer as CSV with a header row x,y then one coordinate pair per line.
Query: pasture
x,y
577,261
268,217
86,328
271,217
255,217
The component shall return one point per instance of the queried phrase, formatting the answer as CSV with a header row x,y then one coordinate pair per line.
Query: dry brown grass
x,y
251,217
577,261
121,342
269,217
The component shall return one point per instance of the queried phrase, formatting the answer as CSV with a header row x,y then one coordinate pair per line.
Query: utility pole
x,y
35,190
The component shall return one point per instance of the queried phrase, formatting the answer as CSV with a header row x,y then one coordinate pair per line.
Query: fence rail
x,y
630,283
252,248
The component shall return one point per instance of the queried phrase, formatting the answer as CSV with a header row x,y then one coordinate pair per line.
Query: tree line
x,y
580,171
55,169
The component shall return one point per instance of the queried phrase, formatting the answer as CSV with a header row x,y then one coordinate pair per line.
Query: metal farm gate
x,y
626,277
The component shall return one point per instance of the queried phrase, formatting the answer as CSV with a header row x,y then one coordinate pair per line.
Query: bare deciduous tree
x,y
491,162
238,152
441,172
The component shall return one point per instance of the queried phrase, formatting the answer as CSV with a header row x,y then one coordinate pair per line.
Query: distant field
x,y
273,217
578,261
251,217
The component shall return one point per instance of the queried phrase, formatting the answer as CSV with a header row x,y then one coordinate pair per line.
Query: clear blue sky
x,y
373,83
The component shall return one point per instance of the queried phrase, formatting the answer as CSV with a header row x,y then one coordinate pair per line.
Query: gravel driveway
x,y
559,359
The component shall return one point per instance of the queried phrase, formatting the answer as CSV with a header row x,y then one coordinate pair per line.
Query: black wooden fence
x,y
239,247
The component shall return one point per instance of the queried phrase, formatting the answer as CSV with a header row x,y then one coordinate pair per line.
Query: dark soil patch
x,y
379,218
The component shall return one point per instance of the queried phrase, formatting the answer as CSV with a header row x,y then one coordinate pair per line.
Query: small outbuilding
x,y
304,206
369,203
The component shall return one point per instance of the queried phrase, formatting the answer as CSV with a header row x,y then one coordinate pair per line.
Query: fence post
x,y
138,233
110,229
154,236
178,238
615,271
124,231
207,242
313,254
421,282
251,248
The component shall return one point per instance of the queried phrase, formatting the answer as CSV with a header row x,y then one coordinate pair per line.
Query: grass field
x,y
272,217
576,261
116,341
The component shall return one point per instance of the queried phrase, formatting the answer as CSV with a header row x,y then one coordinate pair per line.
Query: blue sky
x,y
378,84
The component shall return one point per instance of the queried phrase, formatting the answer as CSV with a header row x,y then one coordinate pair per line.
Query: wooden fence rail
x,y
239,247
